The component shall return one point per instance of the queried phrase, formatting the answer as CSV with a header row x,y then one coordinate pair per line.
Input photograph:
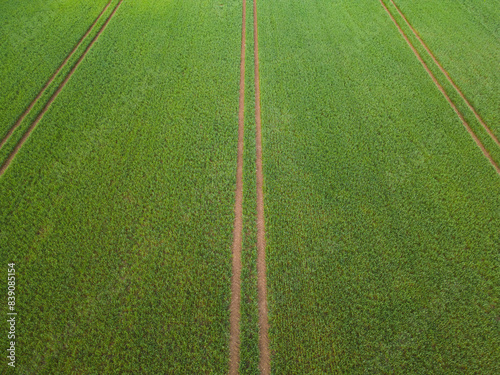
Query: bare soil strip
x,y
53,97
447,76
234,318
264,362
464,122
42,91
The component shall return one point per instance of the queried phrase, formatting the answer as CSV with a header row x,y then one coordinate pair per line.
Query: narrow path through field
x,y
44,88
234,319
264,362
18,146
464,122
447,76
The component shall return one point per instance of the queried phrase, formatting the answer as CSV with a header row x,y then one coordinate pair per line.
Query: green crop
x,y
36,36
382,214
464,36
478,129
249,328
27,116
118,209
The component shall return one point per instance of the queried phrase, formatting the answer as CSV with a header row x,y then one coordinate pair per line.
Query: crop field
x,y
470,52
41,32
117,209
252,187
469,55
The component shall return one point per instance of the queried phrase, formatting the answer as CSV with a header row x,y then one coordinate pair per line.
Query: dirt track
x,y
44,88
234,319
464,122
26,135
490,133
264,362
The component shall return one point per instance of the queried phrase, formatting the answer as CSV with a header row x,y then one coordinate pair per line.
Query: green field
x,y
118,210
36,36
462,38
464,35
382,214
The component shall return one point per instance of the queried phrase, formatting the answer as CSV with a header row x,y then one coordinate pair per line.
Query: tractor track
x,y
483,124
44,88
235,312
436,82
26,135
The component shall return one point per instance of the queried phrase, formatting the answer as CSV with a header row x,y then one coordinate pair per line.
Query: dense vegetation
x,y
36,36
119,208
484,135
382,213
464,36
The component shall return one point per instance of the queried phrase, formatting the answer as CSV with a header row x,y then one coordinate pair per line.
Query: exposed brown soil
x,y
464,122
234,318
53,97
30,107
264,362
495,139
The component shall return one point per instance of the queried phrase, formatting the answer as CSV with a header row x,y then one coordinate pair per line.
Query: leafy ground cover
x,y
119,208
28,115
465,38
485,12
36,38
485,135
382,214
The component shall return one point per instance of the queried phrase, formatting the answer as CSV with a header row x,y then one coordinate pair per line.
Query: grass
x,y
119,213
485,12
463,37
461,105
381,212
36,37
50,90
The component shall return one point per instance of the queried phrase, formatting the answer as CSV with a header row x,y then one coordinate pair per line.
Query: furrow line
x,y
434,79
44,88
235,312
53,97
488,130
264,360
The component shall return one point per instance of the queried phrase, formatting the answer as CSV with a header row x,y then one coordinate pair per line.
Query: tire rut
x,y
235,310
